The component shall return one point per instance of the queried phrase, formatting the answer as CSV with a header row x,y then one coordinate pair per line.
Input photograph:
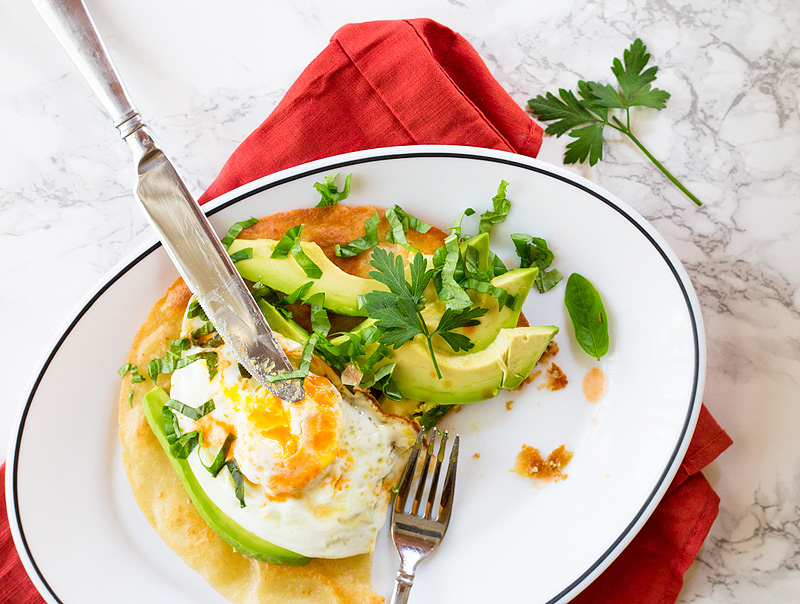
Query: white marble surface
x,y
206,73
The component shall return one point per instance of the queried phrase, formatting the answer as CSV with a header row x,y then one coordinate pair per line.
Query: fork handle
x,y
402,587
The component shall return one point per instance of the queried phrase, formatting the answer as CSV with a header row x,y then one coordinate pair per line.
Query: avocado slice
x,y
230,531
284,274
517,282
469,378
283,325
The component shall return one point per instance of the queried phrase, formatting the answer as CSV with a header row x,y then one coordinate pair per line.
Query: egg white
x,y
340,511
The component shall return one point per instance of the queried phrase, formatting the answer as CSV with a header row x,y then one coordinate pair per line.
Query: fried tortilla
x,y
155,484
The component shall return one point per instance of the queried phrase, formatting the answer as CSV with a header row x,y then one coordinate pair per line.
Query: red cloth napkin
x,y
415,82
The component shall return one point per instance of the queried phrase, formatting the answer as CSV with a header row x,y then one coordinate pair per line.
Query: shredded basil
x,y
290,242
238,480
195,310
319,316
297,294
382,380
194,413
362,244
305,363
500,208
136,377
185,444
503,297
401,221
130,399
243,254
456,228
219,461
236,229
533,251
330,192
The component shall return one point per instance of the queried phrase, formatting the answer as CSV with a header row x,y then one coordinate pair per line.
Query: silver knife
x,y
183,229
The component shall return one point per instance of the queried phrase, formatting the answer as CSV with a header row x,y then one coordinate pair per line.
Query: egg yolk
x,y
302,454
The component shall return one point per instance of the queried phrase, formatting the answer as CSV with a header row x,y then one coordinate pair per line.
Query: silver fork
x,y
417,532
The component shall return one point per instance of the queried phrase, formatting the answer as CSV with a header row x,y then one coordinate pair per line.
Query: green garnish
x,y
219,461
304,365
172,360
136,377
243,254
456,228
331,195
500,208
238,480
398,311
130,399
290,242
382,380
533,251
588,315
194,413
319,316
195,310
236,229
401,221
362,244
206,335
600,105
452,270
180,445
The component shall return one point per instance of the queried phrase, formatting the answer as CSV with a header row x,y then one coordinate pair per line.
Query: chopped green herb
x,y
454,319
136,377
195,310
304,365
219,460
362,244
500,208
243,254
456,228
588,315
401,221
331,195
290,242
382,380
319,316
236,229
130,399
533,251
238,480
452,270
596,107
194,413
185,444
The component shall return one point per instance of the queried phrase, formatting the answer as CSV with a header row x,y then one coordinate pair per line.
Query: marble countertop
x,y
207,73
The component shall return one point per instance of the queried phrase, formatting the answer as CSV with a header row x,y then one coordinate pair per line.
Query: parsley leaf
x,y
598,105
331,195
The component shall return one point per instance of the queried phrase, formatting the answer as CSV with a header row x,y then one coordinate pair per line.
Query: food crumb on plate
x,y
531,464
556,378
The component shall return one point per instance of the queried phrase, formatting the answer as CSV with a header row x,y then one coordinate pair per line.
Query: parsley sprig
x,y
398,311
602,105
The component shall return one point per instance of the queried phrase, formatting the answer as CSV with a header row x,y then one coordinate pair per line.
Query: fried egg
x,y
318,472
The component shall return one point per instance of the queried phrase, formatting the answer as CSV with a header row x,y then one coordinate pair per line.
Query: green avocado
x,y
284,274
517,282
283,325
231,532
473,377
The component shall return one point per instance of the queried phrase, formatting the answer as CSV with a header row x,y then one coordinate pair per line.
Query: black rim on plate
x,y
354,162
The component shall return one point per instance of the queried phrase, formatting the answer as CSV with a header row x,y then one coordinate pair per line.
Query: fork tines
x,y
423,485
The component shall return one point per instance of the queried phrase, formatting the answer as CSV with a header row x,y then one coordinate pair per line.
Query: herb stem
x,y
627,131
429,338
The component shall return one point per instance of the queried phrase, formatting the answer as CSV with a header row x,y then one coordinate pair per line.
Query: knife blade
x,y
183,229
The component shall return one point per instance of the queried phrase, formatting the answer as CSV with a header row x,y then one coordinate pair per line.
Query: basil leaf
x,y
235,229
130,399
287,242
305,363
185,444
243,254
136,377
319,316
588,315
219,461
171,428
330,192
195,310
456,228
401,221
450,292
238,480
194,413
297,294
533,251
484,287
500,208
309,268
362,244
382,380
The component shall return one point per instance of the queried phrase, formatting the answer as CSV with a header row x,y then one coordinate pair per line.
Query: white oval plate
x,y
83,540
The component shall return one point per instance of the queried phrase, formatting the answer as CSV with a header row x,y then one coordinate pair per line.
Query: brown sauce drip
x,y
594,384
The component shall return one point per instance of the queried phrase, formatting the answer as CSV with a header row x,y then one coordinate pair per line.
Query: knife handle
x,y
74,29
